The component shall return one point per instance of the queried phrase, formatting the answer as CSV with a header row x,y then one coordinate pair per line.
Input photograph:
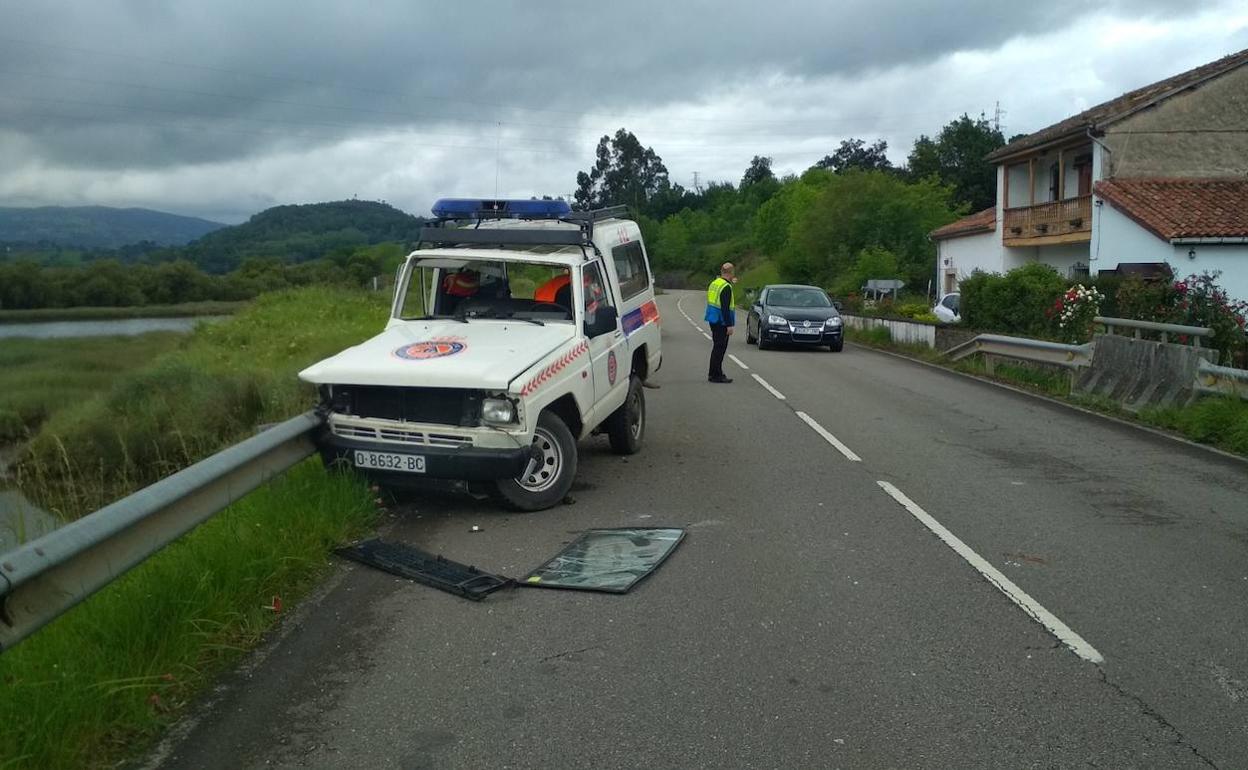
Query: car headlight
x,y
776,320
499,411
834,321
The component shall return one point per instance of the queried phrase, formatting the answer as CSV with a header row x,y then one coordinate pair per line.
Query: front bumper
x,y
826,335
456,463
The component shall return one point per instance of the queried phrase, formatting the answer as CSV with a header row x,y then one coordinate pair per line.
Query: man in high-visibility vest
x,y
721,317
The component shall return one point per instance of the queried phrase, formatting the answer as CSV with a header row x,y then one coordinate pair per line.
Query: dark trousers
x,y
719,346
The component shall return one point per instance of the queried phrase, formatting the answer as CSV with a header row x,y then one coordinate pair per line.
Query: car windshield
x,y
798,298
478,289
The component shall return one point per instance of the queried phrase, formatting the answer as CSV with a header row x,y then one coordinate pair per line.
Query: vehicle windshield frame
x,y
497,297
824,302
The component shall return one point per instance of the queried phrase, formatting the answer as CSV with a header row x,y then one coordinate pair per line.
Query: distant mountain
x,y
301,233
99,227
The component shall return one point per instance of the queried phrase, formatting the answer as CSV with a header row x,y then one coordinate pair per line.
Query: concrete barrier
x,y
906,332
1140,373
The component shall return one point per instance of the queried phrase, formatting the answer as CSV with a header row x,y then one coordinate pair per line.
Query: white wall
x,y
1120,239
1231,259
968,254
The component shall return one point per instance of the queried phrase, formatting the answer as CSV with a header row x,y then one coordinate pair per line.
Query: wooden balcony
x,y
1065,221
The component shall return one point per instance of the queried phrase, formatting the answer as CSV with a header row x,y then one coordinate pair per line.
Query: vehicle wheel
x,y
626,427
750,339
763,344
551,470
837,346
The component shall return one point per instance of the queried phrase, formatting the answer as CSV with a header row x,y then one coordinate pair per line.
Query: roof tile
x,y
1182,208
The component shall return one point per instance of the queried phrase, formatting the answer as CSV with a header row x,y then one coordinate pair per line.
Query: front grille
x,y
440,406
399,435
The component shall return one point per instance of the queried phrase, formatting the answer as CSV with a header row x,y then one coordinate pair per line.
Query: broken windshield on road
x,y
611,560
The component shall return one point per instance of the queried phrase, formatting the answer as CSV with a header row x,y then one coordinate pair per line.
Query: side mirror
x,y
836,303
605,320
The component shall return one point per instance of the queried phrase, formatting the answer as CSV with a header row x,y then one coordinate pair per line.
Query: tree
x,y
759,171
958,158
854,153
860,209
623,172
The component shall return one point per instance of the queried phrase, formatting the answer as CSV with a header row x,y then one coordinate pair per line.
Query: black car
x,y
800,315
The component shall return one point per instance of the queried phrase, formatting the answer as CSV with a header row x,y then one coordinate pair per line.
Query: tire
x,y
763,344
750,339
837,346
626,427
550,473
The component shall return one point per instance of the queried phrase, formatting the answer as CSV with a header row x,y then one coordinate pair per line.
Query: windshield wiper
x,y
438,318
514,317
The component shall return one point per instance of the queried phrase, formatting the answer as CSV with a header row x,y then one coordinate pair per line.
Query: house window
x,y
1055,176
1078,270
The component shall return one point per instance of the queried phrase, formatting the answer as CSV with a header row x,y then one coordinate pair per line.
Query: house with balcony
x,y
1156,176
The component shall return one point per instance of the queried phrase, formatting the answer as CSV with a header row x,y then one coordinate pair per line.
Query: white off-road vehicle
x,y
517,329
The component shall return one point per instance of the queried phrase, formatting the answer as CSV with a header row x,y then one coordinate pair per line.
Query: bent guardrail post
x,y
42,579
1023,348
1224,380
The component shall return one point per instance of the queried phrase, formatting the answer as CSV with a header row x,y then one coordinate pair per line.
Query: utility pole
x,y
696,186
997,114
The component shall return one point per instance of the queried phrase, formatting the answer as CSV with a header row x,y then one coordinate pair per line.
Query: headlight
x,y
498,411
834,321
776,320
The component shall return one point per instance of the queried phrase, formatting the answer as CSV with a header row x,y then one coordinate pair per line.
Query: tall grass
x,y
222,382
39,377
97,684
1220,421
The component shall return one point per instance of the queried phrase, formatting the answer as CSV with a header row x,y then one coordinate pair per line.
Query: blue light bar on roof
x,y
462,208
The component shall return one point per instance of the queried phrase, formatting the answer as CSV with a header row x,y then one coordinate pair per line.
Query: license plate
x,y
811,330
389,461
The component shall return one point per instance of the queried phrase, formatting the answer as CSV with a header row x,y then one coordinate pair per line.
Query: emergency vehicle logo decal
x,y
647,313
550,370
612,368
423,351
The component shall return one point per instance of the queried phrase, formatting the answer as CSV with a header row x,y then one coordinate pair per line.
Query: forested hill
x,y
301,233
99,227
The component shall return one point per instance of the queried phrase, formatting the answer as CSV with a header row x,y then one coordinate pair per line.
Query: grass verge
x,y
1215,420
99,683
213,390
184,310
40,377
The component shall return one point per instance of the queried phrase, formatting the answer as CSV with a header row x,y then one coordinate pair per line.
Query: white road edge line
x,y
1028,605
828,437
738,362
704,334
767,385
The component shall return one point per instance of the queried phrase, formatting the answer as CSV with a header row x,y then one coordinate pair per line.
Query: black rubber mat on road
x,y
414,564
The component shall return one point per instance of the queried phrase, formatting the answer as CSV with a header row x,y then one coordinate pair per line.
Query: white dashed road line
x,y
1029,605
767,385
828,437
738,362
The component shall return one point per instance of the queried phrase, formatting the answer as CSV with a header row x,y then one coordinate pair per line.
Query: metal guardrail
x,y
1223,380
1196,332
1043,351
42,579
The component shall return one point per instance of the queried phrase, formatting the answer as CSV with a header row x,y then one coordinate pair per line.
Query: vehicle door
x,y
756,314
607,344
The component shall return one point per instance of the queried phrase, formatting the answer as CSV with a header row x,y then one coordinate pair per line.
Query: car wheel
x,y
837,346
551,468
626,427
763,344
750,339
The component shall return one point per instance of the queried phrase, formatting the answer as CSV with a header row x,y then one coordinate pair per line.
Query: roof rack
x,y
583,236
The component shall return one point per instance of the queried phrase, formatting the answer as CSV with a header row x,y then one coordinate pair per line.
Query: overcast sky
x,y
222,109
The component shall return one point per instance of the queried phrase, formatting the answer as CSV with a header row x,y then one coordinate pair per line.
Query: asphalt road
x,y
810,618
